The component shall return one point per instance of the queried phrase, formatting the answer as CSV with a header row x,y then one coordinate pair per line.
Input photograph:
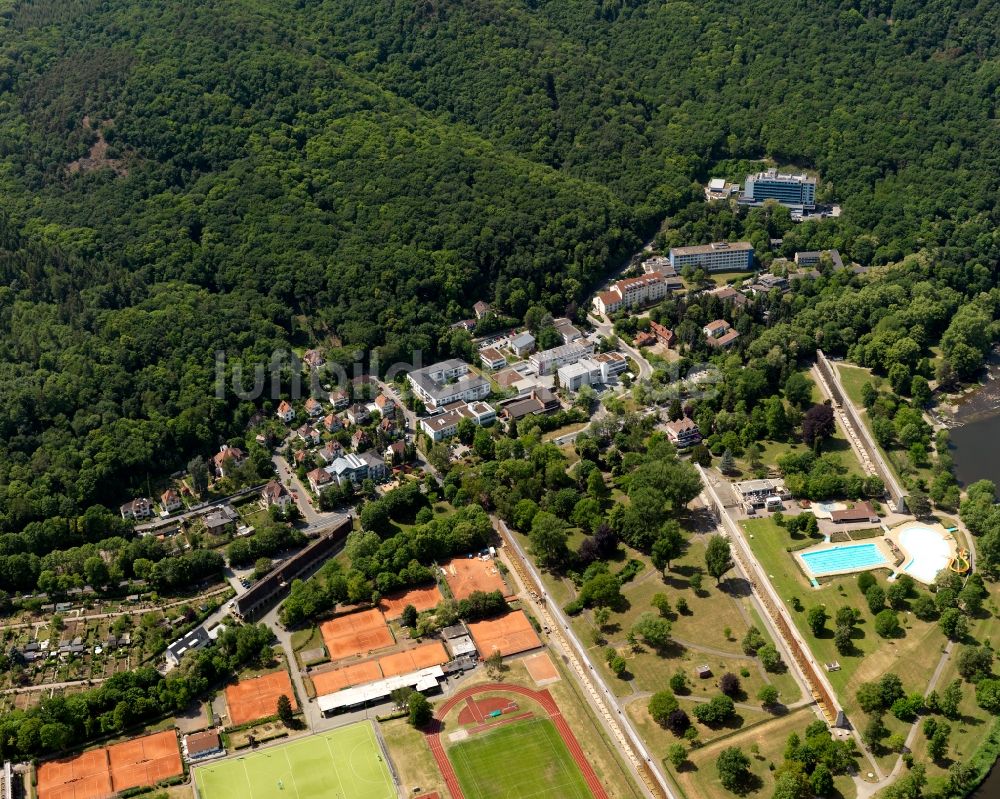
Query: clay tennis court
x,y
508,634
421,657
85,776
329,682
355,633
249,700
465,575
541,668
101,773
144,761
421,598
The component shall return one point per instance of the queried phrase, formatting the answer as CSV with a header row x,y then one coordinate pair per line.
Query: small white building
x,y
492,358
445,425
549,361
522,344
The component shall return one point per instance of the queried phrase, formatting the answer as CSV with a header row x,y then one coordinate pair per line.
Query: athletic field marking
x,y
335,769
291,773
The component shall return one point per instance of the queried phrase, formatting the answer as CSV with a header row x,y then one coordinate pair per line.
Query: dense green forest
x,y
182,177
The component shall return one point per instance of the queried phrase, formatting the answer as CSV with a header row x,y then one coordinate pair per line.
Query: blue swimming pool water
x,y
838,559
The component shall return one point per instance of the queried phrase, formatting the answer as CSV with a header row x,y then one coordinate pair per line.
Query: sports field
x,y
346,763
485,764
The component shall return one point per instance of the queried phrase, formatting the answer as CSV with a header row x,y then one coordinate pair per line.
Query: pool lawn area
x,y
913,657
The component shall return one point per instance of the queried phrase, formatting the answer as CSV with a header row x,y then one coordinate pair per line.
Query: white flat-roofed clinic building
x,y
794,191
719,256
632,292
591,371
446,382
445,425
548,361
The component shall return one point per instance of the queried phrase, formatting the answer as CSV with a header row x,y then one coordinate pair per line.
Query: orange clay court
x,y
508,634
421,598
100,773
249,700
421,657
541,668
355,633
465,575
144,761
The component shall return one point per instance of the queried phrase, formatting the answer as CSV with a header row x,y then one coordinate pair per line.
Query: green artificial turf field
x,y
346,763
516,761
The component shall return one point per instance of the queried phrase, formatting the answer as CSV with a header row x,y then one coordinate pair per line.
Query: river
x,y
974,441
974,448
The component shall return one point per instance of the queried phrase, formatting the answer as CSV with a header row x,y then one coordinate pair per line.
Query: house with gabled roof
x,y
138,508
275,494
285,412
170,501
226,458
313,407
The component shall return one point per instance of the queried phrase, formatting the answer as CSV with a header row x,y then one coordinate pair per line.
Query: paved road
x,y
616,723
197,510
607,329
312,517
773,604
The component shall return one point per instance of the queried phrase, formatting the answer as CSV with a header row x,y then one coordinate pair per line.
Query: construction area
x,y
257,698
104,772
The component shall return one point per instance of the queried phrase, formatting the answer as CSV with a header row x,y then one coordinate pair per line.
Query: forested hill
x,y
178,177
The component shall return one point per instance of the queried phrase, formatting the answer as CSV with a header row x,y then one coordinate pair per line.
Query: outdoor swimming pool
x,y
843,559
928,550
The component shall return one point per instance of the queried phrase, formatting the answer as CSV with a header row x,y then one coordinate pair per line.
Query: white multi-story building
x,y
446,382
794,191
591,371
719,256
445,425
548,361
632,292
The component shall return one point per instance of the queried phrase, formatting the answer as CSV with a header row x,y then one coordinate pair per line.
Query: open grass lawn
x,y
345,762
838,447
853,378
660,738
544,768
699,777
975,725
913,657
411,757
699,635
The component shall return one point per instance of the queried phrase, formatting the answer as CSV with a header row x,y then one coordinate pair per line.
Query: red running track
x,y
544,698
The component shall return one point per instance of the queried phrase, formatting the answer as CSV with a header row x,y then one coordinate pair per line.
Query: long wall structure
x,y
266,591
863,437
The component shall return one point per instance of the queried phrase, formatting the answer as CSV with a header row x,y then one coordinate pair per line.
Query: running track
x,y
544,698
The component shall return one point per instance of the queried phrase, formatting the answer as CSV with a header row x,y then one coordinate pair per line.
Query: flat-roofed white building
x,y
548,361
591,371
446,382
423,681
719,256
794,191
445,425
